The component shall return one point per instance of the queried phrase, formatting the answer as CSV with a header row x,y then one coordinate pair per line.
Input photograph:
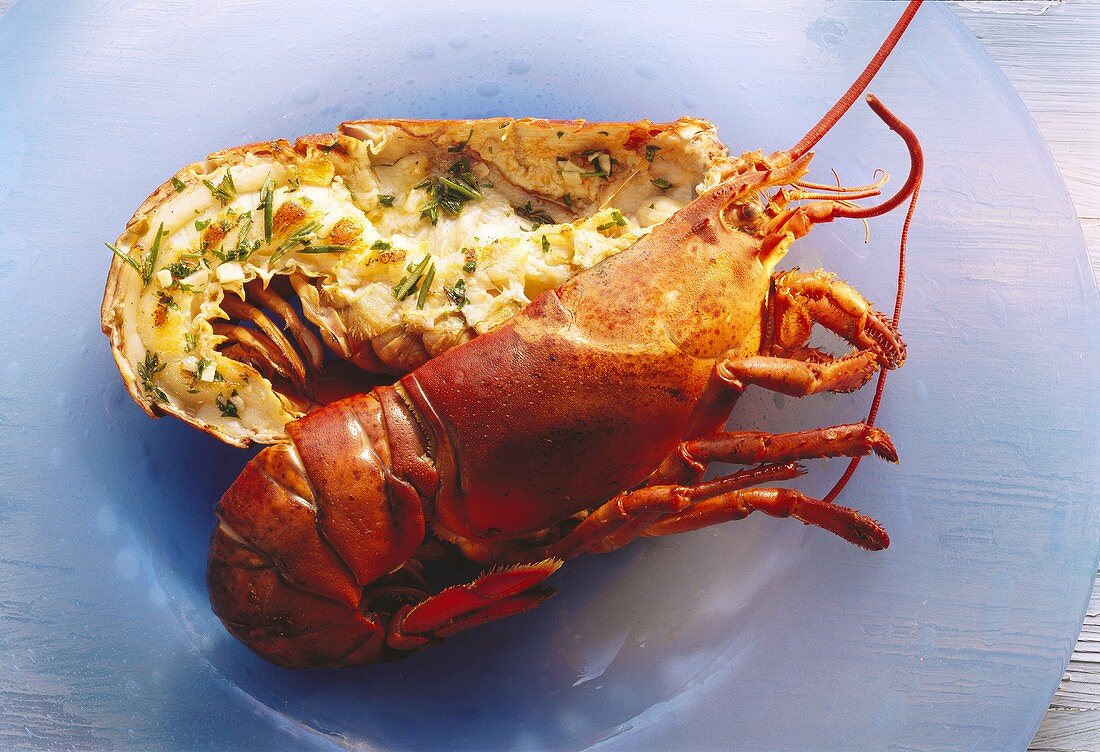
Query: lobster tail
x,y
302,531
288,626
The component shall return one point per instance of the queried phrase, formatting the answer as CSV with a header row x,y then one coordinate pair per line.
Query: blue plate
x,y
759,634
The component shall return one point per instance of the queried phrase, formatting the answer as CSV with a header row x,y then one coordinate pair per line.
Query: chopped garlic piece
x,y
230,271
208,372
164,276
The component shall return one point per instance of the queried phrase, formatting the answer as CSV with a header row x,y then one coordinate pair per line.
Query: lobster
x,y
581,424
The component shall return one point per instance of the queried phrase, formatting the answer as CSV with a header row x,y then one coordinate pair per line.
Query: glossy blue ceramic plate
x,y
757,635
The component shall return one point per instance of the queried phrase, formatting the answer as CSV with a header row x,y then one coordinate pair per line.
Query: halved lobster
x,y
582,423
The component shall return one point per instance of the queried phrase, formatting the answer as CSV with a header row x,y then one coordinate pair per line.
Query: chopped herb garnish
x,y
178,184
147,370
424,288
190,341
567,200
407,285
470,266
381,245
229,410
449,192
199,368
293,184
201,224
460,146
661,183
386,199
128,259
267,201
545,244
225,191
561,133
617,219
243,249
457,294
460,188
181,269
302,236
324,249
151,259
538,216
650,151
146,266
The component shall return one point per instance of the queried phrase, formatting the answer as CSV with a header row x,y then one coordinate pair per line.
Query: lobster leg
x,y
787,364
798,378
750,447
799,300
494,595
776,502
622,519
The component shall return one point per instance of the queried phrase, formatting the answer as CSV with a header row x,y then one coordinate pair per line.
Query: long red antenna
x,y
858,86
916,174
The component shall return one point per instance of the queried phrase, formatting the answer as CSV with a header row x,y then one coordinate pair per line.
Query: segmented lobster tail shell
x,y
304,529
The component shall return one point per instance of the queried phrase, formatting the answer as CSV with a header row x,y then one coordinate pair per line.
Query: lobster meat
x,y
582,423
399,238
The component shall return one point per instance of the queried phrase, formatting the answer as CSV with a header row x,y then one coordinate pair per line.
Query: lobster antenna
x,y
833,115
915,177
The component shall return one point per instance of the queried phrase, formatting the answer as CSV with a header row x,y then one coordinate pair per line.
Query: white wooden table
x,y
1050,51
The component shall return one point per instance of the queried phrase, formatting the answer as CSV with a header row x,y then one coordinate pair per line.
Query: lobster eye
x,y
751,212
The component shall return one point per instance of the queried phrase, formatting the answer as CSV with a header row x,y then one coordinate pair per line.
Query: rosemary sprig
x,y
324,248
457,294
449,192
303,236
407,285
267,200
424,288
146,266
244,248
146,372
225,191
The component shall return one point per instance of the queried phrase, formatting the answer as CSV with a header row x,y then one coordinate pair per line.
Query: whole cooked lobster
x,y
582,423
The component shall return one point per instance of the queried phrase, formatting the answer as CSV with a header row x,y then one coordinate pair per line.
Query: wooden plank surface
x,y
1050,51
